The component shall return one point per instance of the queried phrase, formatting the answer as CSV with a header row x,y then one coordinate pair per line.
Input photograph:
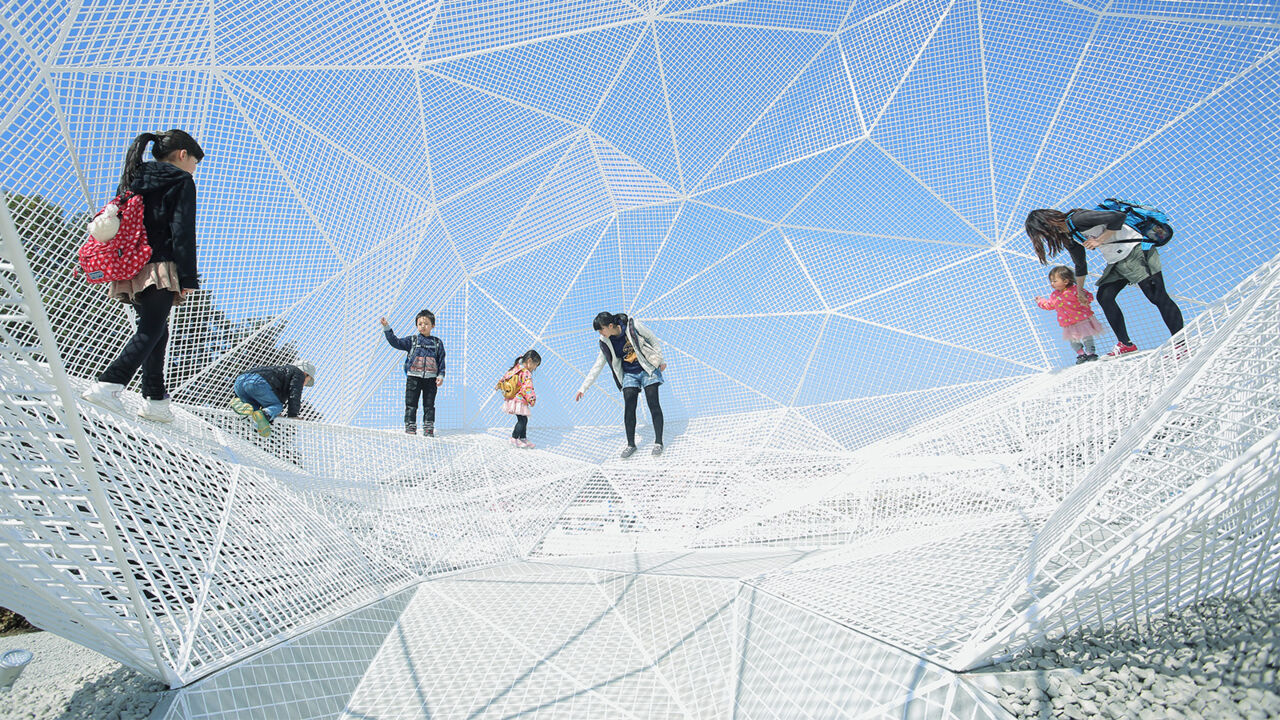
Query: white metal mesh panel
x,y
817,206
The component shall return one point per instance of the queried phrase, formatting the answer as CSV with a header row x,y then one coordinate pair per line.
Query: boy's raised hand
x,y
383,321
578,396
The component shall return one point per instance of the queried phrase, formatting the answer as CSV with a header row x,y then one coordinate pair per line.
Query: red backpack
x,y
117,246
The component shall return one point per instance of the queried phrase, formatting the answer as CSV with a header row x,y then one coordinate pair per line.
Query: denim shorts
x,y
641,379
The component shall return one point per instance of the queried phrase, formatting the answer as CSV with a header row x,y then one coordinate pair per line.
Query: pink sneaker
x,y
1121,349
516,442
526,444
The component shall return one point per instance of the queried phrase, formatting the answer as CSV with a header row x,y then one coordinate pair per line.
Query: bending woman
x,y
1127,263
635,357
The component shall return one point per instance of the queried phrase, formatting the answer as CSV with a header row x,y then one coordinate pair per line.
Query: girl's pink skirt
x,y
1088,327
517,406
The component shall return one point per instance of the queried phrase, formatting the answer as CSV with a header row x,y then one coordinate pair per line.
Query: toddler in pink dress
x,y
1075,314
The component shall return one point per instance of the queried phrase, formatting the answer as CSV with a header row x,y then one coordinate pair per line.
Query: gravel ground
x,y
67,682
1216,659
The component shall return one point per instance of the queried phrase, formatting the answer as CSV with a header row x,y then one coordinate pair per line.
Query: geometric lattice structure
x,y
789,196
874,480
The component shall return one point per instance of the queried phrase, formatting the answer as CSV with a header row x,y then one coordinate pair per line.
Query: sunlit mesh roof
x,y
809,202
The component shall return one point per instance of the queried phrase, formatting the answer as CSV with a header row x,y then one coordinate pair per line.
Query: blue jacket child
x,y
423,370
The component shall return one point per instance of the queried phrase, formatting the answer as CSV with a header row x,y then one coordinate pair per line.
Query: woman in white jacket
x,y
634,355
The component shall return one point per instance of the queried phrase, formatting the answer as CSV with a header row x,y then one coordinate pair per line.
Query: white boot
x,y
157,410
105,394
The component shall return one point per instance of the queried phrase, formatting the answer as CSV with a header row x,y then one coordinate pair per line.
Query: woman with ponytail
x,y
168,192
634,355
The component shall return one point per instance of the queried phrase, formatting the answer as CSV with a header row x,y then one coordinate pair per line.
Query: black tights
x,y
630,398
521,430
146,348
1153,288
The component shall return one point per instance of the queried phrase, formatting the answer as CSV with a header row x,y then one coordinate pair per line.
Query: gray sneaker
x,y
657,449
628,451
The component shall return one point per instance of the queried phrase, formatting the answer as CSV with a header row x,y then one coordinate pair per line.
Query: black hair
x,y
1047,229
162,146
1064,273
605,318
425,314
530,355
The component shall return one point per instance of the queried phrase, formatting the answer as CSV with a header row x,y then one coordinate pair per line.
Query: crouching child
x,y
262,393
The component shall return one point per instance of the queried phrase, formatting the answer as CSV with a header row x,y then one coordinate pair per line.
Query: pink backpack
x,y
117,246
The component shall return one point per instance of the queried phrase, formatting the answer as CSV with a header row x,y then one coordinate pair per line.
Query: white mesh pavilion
x,y
878,474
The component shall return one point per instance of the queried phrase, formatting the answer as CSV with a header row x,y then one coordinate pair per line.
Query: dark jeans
x,y
146,348
630,398
521,430
413,387
1153,288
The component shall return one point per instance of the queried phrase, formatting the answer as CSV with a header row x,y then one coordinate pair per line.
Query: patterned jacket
x,y
525,391
1067,303
427,347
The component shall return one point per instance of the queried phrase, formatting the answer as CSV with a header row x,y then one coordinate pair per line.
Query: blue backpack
x,y
1151,222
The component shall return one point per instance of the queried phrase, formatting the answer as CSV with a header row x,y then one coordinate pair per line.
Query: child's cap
x,y
309,370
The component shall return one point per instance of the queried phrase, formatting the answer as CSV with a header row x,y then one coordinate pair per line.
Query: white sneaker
x,y
106,395
157,410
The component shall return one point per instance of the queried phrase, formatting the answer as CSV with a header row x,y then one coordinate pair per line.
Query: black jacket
x,y
286,382
169,194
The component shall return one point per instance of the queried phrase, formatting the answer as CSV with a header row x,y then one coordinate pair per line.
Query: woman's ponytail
x,y
133,160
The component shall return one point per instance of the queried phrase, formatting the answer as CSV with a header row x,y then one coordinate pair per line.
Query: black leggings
x,y
1153,288
521,430
146,348
630,398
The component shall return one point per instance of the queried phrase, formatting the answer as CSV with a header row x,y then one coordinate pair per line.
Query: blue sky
x,y
811,206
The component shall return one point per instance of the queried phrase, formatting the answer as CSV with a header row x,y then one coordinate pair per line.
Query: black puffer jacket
x,y
169,194
286,382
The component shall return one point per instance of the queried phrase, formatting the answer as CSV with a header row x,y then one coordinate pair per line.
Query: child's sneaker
x,y
1090,357
410,430
526,444
1121,349
156,410
261,422
657,449
428,432
628,451
240,407
105,394
1081,358
516,442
